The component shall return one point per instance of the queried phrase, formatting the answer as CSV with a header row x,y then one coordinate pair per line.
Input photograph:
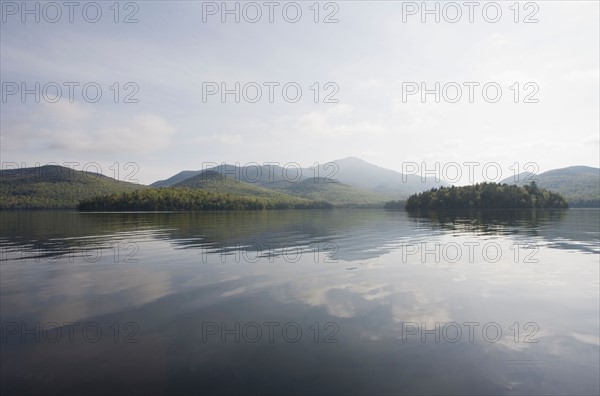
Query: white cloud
x,y
499,39
588,75
592,140
68,127
335,122
218,138
591,339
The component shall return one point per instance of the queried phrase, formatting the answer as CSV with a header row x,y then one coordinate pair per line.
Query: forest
x,y
54,187
185,199
483,196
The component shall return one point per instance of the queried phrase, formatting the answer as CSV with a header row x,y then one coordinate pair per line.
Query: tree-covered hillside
x,y
486,196
175,199
320,189
353,172
54,187
222,184
580,185
332,191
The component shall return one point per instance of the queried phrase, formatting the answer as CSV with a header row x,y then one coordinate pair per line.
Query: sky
x,y
353,71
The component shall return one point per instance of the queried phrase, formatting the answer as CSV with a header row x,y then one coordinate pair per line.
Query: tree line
x,y
184,199
482,196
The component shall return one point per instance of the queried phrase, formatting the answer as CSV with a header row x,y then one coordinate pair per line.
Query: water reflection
x,y
196,276
344,234
577,229
491,221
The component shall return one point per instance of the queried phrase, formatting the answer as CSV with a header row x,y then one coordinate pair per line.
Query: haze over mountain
x,y
220,183
349,181
580,185
351,171
310,188
356,172
260,175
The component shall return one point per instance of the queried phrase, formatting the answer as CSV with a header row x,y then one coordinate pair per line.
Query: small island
x,y
186,199
482,196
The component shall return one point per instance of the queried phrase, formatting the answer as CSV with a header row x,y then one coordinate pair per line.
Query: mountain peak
x,y
352,160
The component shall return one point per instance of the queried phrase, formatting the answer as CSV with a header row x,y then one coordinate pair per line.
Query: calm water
x,y
332,302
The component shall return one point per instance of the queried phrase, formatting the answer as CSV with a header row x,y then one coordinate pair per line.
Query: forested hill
x,y
316,189
176,199
54,187
353,182
222,184
349,172
485,196
580,185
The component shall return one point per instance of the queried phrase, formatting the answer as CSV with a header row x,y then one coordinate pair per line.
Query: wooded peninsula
x,y
482,196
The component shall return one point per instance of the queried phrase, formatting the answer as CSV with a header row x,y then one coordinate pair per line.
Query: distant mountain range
x,y
349,181
580,185
318,189
346,181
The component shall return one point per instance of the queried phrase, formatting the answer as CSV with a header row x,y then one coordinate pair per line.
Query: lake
x,y
300,302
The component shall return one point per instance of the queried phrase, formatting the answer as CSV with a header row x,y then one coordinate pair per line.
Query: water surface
x,y
302,302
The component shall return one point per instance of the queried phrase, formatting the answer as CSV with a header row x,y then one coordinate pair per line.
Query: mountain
x,y
318,189
322,188
356,180
358,173
348,181
219,183
267,176
54,187
181,176
580,185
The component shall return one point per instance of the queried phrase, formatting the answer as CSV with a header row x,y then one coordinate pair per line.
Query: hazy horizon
x,y
372,60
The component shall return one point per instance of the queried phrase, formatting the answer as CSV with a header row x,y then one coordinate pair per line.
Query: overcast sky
x,y
370,57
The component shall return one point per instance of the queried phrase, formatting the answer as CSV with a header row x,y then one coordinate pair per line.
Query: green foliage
x,y
219,183
332,191
318,189
486,196
54,187
579,185
177,199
